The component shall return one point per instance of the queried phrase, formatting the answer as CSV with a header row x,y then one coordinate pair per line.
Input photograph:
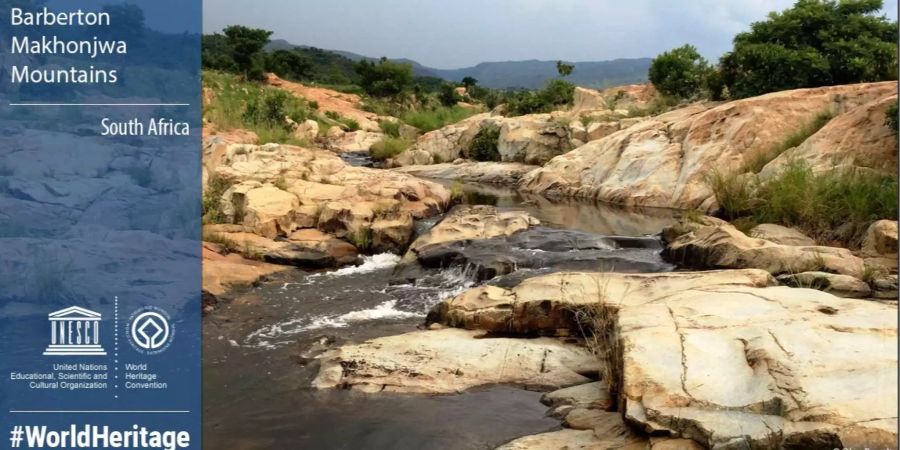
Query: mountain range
x,y
517,74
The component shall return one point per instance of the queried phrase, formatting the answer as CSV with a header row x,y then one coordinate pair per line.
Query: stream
x,y
259,350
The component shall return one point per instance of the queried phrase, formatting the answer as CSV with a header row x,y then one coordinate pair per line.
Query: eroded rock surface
x,y
479,172
665,160
451,360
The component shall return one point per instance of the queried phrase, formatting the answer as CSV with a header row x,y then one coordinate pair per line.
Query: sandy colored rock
x,y
532,139
589,395
724,246
345,105
467,222
549,303
307,130
780,235
444,144
479,172
282,251
354,141
223,272
839,285
858,138
342,251
664,161
451,360
881,239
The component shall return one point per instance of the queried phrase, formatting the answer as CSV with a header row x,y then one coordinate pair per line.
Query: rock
x,y
600,130
409,132
279,189
281,251
585,99
664,161
354,141
589,395
444,144
479,172
688,224
784,372
308,130
451,361
839,285
781,235
334,133
343,252
724,246
545,304
856,139
223,272
328,100
532,139
468,222
881,239
608,432
885,287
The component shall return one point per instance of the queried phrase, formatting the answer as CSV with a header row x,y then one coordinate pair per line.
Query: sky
x,y
458,33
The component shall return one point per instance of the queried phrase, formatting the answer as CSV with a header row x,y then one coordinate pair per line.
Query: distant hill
x,y
512,74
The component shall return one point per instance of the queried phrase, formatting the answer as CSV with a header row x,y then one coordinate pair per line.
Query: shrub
x,y
756,162
890,118
556,94
388,148
211,204
272,107
448,95
484,146
384,78
679,72
390,128
734,193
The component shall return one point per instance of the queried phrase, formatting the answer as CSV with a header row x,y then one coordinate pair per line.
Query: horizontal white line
x,y
19,411
99,104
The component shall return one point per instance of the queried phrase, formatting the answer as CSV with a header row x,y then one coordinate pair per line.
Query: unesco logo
x,y
150,330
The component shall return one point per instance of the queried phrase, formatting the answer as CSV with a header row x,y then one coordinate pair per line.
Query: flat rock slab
x,y
474,171
450,361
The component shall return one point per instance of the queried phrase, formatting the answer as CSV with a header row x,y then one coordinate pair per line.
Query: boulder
x,y
223,271
839,285
585,99
343,252
265,209
354,141
856,139
307,130
280,251
469,222
479,172
725,247
664,161
588,395
544,305
532,139
881,239
450,361
444,144
780,235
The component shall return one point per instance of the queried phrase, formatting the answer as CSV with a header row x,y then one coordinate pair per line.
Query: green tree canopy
x,y
468,82
814,43
246,47
384,78
564,69
288,64
679,72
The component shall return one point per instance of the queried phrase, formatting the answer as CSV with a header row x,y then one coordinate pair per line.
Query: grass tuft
x,y
388,148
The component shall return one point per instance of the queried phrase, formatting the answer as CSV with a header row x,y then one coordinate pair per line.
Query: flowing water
x,y
259,350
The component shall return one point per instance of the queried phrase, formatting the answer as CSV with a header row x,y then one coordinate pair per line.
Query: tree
x,y
564,69
288,64
448,95
469,82
385,78
246,46
216,53
814,43
679,72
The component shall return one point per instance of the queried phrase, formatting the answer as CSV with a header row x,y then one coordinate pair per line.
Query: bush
x,y
556,94
758,161
432,119
211,204
390,128
388,148
448,95
384,78
890,118
484,146
679,72
733,192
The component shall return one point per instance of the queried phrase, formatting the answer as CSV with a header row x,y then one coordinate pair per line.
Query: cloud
x,y
455,33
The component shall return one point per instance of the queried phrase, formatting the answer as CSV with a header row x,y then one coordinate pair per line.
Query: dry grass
x,y
598,325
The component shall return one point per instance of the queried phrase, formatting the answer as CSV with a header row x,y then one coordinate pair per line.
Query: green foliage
x,y
246,45
390,128
448,95
758,161
432,119
556,94
484,146
679,72
272,107
348,123
890,118
388,148
384,78
820,203
211,204
288,64
361,239
469,82
733,192
564,69
217,54
814,43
